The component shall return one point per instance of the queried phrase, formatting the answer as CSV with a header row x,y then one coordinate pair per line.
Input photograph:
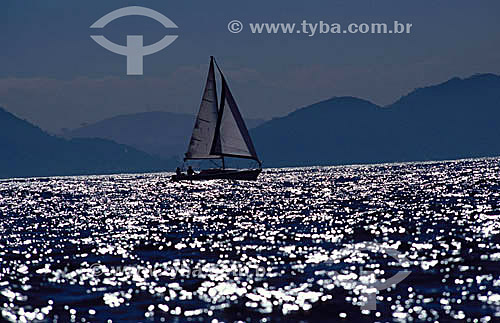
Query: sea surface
x,y
299,244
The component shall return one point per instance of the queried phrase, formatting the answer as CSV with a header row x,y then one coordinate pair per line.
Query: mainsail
x,y
231,134
202,138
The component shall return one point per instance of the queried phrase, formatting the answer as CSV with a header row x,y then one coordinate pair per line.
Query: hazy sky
x,y
54,75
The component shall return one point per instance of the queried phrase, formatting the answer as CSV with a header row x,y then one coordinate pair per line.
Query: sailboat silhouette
x,y
220,131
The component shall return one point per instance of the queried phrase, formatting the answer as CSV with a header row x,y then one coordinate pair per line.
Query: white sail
x,y
202,138
232,137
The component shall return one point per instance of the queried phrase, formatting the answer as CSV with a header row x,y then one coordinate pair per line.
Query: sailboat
x,y
219,131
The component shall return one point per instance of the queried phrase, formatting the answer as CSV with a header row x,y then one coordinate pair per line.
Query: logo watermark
x,y
135,49
373,285
184,270
322,27
366,283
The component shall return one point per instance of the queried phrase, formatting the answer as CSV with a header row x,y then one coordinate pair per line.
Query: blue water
x,y
290,246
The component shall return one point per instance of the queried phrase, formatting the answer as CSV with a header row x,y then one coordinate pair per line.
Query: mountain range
x,y
27,151
459,118
159,133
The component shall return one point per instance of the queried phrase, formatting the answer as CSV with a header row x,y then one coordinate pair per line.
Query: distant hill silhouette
x,y
160,133
459,118
28,151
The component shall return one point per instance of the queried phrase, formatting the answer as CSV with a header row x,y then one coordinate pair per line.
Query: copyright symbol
x,y
235,26
96,270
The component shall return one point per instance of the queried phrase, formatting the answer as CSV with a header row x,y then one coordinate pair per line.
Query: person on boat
x,y
178,172
190,171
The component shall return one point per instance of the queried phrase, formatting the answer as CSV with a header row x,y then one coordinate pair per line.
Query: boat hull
x,y
231,174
